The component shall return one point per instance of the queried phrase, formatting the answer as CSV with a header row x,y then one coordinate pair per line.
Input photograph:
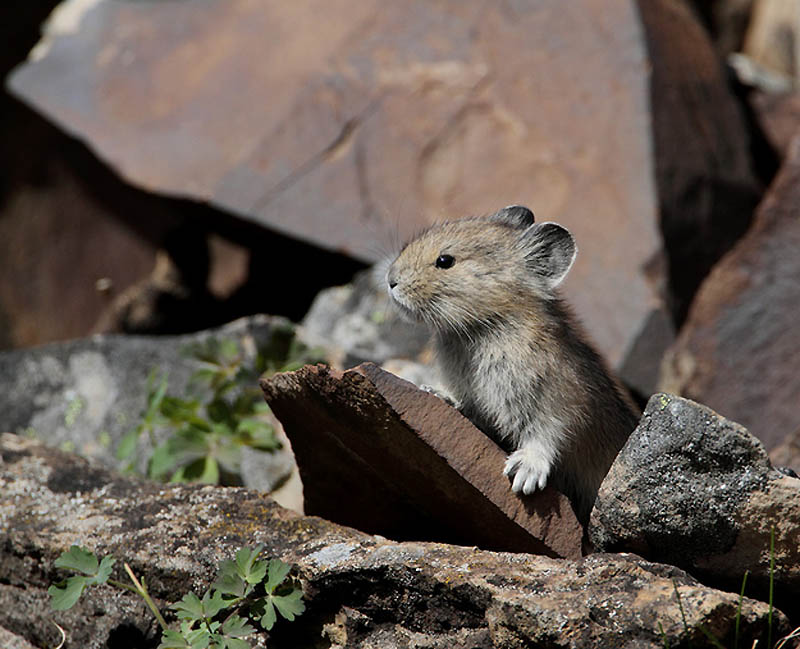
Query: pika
x,y
512,355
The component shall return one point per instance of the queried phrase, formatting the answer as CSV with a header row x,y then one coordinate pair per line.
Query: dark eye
x,y
445,261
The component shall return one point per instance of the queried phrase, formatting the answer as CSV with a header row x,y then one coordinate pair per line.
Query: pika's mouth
x,y
405,309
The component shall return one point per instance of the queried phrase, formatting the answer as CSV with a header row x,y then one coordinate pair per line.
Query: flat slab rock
x,y
377,453
360,590
696,490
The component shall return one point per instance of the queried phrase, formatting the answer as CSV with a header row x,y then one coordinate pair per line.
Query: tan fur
x,y
511,353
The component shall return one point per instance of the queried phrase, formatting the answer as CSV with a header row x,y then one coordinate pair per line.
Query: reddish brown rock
x,y
727,22
378,454
787,454
64,257
739,348
779,117
706,189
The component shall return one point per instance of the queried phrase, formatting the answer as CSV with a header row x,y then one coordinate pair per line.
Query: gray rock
x,y
358,323
695,490
86,394
10,640
360,590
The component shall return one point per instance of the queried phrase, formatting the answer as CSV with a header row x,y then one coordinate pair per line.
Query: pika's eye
x,y
445,261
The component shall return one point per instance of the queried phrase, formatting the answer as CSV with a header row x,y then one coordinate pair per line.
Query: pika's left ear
x,y
550,251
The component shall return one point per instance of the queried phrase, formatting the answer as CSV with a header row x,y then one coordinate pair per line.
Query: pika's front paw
x,y
528,469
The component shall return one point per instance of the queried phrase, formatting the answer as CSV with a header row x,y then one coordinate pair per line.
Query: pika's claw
x,y
442,395
528,470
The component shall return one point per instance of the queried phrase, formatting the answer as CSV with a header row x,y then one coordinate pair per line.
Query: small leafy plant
x,y
248,591
199,436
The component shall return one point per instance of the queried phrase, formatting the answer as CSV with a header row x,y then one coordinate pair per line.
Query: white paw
x,y
529,470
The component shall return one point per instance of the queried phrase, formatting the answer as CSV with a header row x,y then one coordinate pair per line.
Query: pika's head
x,y
459,274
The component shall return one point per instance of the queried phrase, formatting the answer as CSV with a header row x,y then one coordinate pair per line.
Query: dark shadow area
x,y
128,636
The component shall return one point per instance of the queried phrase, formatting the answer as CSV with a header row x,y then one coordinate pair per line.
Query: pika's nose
x,y
391,279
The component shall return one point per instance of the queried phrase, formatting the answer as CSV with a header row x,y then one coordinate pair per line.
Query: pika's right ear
x,y
550,251
517,216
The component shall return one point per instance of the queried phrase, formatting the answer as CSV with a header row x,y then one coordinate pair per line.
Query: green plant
x,y
247,591
199,436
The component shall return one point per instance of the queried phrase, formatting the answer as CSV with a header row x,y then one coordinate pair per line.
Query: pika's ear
x,y
550,251
517,216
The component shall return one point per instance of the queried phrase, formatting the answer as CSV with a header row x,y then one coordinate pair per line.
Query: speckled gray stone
x,y
696,490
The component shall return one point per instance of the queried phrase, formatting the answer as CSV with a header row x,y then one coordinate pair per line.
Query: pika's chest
x,y
474,368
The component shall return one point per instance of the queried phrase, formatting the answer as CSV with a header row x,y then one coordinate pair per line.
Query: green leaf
x,y
78,558
257,434
190,607
236,627
174,640
187,638
232,584
205,470
213,603
288,603
269,617
199,638
155,396
104,570
179,411
161,461
238,577
66,593
277,573
248,567
210,473
220,411
127,445
291,605
193,609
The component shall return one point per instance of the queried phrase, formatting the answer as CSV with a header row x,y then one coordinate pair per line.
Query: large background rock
x,y
380,119
695,490
737,352
360,591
